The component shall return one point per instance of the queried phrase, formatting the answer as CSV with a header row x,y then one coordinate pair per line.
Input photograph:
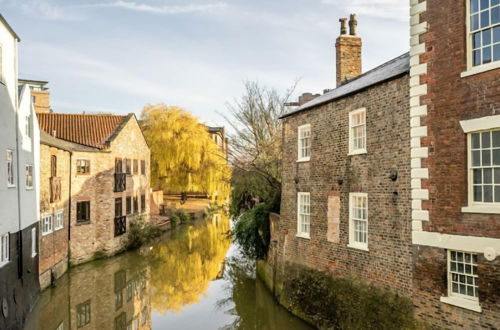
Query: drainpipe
x,y
18,168
69,199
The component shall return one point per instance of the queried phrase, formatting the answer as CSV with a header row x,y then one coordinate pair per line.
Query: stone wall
x,y
97,235
388,262
53,246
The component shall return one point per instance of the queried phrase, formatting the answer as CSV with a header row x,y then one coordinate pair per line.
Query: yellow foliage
x,y
184,268
184,158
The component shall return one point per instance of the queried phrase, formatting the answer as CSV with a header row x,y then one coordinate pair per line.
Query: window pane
x,y
485,18
475,22
476,40
487,175
478,194
476,158
496,34
477,176
485,140
486,157
485,4
495,15
488,194
497,175
496,157
474,6
486,35
486,55
495,2
476,57
496,52
475,141
497,194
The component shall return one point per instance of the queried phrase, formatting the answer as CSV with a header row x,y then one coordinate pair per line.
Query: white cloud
x,y
159,9
44,9
388,9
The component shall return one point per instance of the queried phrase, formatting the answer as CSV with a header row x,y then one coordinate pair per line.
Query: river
x,y
193,278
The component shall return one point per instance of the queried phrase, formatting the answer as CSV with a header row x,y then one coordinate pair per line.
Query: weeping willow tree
x,y
184,158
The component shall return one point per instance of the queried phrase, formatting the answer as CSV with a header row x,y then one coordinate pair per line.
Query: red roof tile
x,y
88,130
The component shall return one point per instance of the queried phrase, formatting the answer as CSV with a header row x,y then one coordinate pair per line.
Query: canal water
x,y
194,278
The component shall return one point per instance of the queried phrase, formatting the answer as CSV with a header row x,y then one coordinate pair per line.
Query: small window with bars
x,y
462,275
83,314
29,176
484,31
10,168
83,166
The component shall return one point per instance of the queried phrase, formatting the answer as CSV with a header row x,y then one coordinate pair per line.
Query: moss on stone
x,y
342,303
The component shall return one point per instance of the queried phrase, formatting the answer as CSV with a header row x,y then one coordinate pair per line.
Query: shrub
x,y
183,216
140,233
251,231
175,220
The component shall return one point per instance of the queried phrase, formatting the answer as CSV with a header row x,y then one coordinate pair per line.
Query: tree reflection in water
x,y
192,266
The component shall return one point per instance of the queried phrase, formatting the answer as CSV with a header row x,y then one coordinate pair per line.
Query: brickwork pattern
x,y
53,247
348,51
440,99
98,188
388,262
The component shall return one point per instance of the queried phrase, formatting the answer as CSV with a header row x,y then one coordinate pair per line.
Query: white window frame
x,y
458,299
33,242
352,242
47,227
58,220
29,177
300,140
28,126
352,150
4,249
472,70
11,182
300,214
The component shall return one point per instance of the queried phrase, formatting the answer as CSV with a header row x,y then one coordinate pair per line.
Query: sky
x,y
119,55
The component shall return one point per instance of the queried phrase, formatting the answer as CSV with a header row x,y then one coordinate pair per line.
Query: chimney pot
x,y
343,26
353,25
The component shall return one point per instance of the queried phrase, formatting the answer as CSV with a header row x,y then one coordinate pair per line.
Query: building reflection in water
x,y
119,293
107,294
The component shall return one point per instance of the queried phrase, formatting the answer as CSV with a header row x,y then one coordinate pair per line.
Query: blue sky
x,y
118,55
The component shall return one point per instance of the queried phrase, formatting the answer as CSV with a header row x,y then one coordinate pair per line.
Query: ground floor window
x,y
462,275
46,224
4,249
358,220
304,214
58,220
83,211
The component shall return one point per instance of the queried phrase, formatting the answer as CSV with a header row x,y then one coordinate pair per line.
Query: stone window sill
x,y
304,236
304,160
462,303
82,223
481,209
2,264
480,69
357,152
358,247
46,233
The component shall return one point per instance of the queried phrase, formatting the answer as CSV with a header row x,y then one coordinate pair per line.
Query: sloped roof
x,y
89,130
49,140
387,71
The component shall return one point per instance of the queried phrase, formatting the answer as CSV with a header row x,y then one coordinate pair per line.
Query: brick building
x,y
455,107
109,177
346,174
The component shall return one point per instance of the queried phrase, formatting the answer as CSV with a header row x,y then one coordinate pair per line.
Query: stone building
x,y
455,133
109,177
218,135
345,205
19,150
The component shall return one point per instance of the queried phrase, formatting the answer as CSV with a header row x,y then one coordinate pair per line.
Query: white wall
x,y
9,62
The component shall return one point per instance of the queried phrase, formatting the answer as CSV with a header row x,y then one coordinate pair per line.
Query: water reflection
x,y
192,279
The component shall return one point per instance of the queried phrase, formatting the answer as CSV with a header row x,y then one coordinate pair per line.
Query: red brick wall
x,y
388,262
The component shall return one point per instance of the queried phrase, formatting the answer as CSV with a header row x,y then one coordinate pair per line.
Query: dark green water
x,y
194,278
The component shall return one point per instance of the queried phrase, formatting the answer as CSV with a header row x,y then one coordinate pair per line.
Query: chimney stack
x,y
348,51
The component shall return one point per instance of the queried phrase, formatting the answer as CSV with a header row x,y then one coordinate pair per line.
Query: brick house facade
x,y
455,104
110,173
345,203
